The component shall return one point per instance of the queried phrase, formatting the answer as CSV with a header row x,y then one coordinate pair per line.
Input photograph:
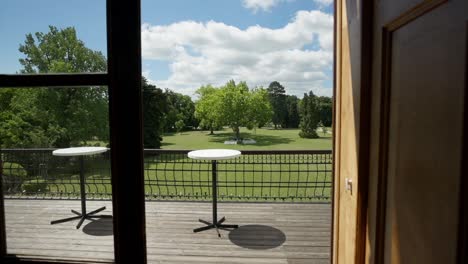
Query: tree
x,y
179,107
292,108
325,108
24,124
55,117
241,107
179,125
207,108
234,105
59,51
277,97
154,107
260,107
309,116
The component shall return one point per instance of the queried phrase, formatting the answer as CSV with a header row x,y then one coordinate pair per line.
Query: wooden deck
x,y
268,233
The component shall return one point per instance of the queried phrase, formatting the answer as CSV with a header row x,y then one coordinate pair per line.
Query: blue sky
x,y
188,43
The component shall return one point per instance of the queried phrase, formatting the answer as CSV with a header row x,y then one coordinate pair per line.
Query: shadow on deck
x,y
268,232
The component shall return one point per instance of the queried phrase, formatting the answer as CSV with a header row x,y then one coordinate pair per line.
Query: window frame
x,y
124,70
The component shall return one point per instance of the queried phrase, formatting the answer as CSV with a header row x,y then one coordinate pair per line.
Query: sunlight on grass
x,y
267,139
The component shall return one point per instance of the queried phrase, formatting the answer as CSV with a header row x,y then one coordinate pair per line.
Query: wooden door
x,y
418,101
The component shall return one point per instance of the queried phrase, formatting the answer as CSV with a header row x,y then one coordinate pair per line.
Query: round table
x,y
214,155
81,151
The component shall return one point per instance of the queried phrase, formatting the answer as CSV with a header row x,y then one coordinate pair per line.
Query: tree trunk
x,y
237,133
211,130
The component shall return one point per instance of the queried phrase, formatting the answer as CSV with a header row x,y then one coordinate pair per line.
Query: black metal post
x,y
82,187
3,243
126,130
214,192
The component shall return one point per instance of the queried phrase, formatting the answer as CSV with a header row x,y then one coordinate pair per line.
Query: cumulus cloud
x,y
213,53
323,2
256,5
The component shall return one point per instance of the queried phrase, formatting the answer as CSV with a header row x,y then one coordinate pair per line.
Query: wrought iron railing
x,y
284,175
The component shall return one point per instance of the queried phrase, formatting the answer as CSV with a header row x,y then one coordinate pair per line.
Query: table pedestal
x,y
215,223
83,215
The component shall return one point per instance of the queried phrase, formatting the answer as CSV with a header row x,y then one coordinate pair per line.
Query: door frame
x,y
124,70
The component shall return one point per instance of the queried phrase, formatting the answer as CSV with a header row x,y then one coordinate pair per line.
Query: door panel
x,y
422,85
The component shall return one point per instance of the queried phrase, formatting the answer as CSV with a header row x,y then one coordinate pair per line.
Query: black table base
x,y
218,224
83,215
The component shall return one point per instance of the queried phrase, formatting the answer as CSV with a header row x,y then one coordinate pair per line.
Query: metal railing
x,y
283,175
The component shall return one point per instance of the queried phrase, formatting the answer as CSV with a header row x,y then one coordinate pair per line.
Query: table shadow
x,y
257,237
99,227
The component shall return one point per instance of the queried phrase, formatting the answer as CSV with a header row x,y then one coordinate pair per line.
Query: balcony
x,y
279,199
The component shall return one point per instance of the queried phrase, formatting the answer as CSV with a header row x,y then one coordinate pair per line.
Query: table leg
x,y
83,215
214,188
82,187
214,191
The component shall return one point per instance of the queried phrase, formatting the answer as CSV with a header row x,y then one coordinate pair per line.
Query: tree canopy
x,y
234,105
277,97
292,110
207,109
179,108
309,116
325,109
59,50
154,108
59,116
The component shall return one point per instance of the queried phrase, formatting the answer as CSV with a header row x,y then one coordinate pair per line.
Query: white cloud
x,y
323,2
213,52
256,5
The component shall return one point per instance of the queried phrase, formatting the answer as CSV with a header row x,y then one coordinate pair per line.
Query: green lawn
x,y
267,139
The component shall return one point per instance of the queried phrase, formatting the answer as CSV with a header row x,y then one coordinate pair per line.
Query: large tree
x,y
234,105
309,116
154,107
260,108
292,109
207,108
179,108
277,97
59,117
325,108
59,50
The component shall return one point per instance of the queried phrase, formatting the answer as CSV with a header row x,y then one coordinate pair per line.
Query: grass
x,y
267,139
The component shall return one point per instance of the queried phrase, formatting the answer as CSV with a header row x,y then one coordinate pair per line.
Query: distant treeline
x,y
233,105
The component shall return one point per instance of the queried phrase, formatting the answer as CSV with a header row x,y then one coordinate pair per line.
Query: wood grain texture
x,y
417,163
273,233
352,114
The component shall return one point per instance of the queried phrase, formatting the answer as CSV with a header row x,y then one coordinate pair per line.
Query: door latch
x,y
349,185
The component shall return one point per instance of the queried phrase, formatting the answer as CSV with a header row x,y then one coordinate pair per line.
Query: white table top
x,y
79,151
214,154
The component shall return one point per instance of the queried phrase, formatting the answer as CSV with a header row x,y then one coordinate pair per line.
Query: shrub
x,y
13,176
34,186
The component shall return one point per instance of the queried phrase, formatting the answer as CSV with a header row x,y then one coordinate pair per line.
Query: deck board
x,y
270,233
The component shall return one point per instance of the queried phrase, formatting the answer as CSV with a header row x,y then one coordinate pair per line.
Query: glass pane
x,y
53,36
56,166
254,76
